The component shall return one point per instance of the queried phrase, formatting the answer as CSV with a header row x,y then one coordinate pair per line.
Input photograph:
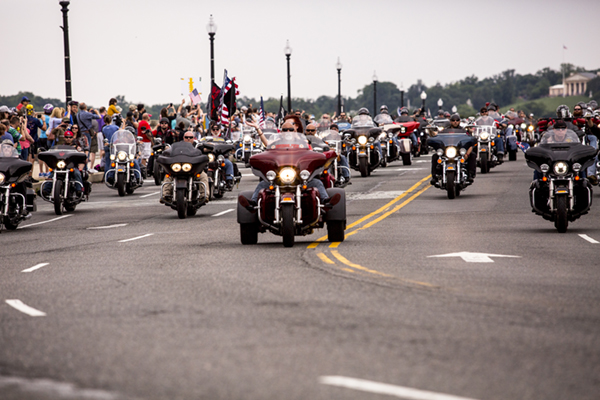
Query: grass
x,y
547,105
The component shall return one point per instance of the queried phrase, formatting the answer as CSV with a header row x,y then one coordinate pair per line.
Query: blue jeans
x,y
499,139
413,137
344,163
315,183
228,170
593,141
75,176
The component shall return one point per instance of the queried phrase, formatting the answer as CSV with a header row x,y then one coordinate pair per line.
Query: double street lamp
x,y
338,66
65,28
374,93
288,53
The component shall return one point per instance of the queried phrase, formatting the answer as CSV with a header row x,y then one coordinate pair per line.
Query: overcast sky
x,y
142,48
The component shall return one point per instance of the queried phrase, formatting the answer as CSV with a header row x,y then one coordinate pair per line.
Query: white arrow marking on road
x,y
384,388
35,267
136,238
223,212
147,195
107,227
24,308
589,239
45,222
474,257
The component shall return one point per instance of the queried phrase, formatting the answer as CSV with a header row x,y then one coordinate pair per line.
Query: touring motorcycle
x,y
16,199
451,149
288,206
217,152
122,174
364,154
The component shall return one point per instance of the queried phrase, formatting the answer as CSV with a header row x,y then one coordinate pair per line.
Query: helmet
x,y
593,104
131,129
29,109
562,111
447,114
48,109
383,109
455,117
363,111
404,110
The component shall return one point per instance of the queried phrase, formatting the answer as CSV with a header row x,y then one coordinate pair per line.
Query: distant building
x,y
574,85
556,90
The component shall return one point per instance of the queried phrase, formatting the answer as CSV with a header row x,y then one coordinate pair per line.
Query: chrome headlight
x,y
523,126
390,135
451,152
112,157
484,136
220,158
122,156
271,175
561,168
61,164
462,152
530,128
511,126
187,167
287,175
440,152
545,168
576,167
247,138
176,167
371,139
362,140
304,175
2,177
211,157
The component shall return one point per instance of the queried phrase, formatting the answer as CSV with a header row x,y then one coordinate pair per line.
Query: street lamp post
x,y
288,53
401,95
454,109
374,92
211,28
440,104
423,97
338,66
65,29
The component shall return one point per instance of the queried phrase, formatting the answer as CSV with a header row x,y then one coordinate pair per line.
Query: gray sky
x,y
141,48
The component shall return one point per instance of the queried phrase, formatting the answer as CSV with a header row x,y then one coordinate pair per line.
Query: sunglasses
x,y
164,123
287,130
311,130
188,137
577,109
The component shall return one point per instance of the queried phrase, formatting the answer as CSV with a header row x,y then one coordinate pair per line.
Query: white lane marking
x,y
148,195
24,308
45,222
410,169
421,161
223,212
35,267
52,389
474,257
392,194
107,227
589,239
248,175
383,388
136,238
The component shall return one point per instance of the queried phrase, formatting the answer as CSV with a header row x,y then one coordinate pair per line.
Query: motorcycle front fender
x,y
181,183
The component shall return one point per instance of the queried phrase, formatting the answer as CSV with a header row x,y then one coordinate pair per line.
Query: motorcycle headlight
x,y
523,125
176,167
362,140
247,138
561,168
287,175
463,152
271,175
211,157
112,157
2,177
545,168
61,164
390,135
451,152
122,156
187,167
304,175
484,136
576,167
530,128
440,152
371,140
441,128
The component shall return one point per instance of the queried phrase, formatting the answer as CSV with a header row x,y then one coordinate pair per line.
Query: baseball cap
x,y
73,103
68,134
4,109
24,98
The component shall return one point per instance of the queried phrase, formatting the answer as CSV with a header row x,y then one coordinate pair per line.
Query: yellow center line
x,y
379,210
356,266
324,258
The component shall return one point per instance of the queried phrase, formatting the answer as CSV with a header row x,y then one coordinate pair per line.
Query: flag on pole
x,y
281,113
228,106
523,146
195,97
261,121
215,102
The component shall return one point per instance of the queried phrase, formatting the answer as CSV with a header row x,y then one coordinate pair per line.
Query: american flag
x,y
195,96
261,121
227,85
224,115
523,146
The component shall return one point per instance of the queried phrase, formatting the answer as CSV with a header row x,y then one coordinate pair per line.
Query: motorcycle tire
x,y
121,184
406,159
246,159
157,174
512,155
335,231
363,167
248,233
191,210
129,189
287,224
484,165
181,203
450,184
57,199
70,207
562,220
9,224
217,191
383,162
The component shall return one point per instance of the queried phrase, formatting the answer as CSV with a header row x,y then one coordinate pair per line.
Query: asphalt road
x,y
184,311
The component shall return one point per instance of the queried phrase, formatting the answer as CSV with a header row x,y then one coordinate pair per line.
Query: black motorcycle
x,y
184,165
336,142
63,191
560,193
122,174
154,167
217,152
451,171
16,199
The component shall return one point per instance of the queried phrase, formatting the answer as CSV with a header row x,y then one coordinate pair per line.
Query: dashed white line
x,y
589,239
107,227
45,222
24,308
148,195
248,175
223,212
383,388
38,266
136,238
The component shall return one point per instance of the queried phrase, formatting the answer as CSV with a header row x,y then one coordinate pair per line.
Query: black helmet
x,y
593,104
404,110
363,111
562,112
455,117
117,119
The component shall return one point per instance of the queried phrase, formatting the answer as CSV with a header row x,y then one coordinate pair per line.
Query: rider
x,y
215,130
471,157
363,119
311,129
287,129
70,141
164,131
403,117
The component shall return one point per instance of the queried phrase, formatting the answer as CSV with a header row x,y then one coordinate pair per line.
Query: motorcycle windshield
x,y
330,135
122,140
362,121
343,126
8,151
384,119
460,140
485,120
559,136
289,140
